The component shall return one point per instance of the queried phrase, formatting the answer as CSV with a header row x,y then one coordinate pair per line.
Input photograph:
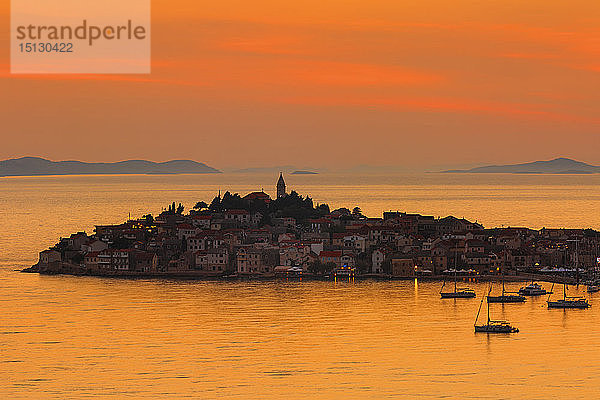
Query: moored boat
x,y
496,327
533,289
493,326
459,293
506,297
568,302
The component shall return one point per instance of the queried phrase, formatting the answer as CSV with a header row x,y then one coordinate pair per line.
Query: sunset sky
x,y
327,83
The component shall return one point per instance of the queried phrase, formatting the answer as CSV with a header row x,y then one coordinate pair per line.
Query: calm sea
x,y
80,337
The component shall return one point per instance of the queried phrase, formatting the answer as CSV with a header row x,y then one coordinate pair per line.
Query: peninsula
x,y
257,235
35,166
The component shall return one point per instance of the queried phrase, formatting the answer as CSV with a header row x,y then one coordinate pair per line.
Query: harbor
x,y
371,335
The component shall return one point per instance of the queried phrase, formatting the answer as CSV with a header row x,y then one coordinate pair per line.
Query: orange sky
x,y
329,83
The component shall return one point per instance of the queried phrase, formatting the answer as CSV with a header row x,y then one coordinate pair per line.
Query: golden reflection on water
x,y
77,337
416,288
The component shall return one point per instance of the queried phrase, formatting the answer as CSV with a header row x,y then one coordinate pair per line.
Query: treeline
x,y
293,205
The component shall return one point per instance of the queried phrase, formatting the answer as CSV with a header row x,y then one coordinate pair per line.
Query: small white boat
x,y
533,289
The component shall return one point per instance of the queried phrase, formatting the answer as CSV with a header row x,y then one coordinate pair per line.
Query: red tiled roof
x,y
257,195
236,212
332,253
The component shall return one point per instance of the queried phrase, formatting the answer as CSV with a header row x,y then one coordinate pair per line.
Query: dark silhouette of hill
x,y
557,166
34,166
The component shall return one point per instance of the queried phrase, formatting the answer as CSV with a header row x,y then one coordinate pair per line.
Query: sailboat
x,y
493,326
506,297
568,302
458,293
592,285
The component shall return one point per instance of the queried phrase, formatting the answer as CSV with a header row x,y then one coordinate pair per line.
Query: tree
x,y
233,202
323,209
175,209
317,267
215,205
201,205
363,263
328,267
357,212
342,211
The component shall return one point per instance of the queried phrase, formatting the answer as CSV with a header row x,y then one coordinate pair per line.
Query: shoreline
x,y
202,276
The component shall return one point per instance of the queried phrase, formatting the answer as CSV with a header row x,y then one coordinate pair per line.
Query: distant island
x,y
36,166
275,169
263,170
557,166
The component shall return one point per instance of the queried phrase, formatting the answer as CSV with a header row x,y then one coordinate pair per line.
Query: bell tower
x,y
280,187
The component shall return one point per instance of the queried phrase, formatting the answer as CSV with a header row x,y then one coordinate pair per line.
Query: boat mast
x,y
565,285
479,310
488,303
551,291
577,261
455,257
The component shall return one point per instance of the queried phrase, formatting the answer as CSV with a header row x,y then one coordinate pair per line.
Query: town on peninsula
x,y
256,236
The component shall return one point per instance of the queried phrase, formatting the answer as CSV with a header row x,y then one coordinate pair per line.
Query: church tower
x,y
280,187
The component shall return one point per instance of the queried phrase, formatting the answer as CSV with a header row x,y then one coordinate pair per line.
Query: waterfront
x,y
82,337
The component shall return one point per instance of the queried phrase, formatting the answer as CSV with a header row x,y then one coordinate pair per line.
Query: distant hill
x,y
35,166
263,170
286,169
556,166
304,173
